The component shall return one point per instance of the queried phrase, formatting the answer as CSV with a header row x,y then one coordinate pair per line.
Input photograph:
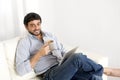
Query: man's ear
x,y
26,27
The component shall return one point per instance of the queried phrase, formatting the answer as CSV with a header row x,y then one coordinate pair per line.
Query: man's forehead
x,y
34,21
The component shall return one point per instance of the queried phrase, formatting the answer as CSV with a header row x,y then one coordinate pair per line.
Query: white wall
x,y
45,9
94,25
12,13
7,20
91,24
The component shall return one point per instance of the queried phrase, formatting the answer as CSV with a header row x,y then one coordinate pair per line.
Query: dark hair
x,y
30,17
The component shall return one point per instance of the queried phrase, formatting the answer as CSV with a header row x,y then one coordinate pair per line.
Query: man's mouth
x,y
37,31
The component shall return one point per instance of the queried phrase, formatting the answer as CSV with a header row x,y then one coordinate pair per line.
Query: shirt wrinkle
x,y
31,46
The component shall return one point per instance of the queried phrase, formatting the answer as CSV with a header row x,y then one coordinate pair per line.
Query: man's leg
x,y
91,66
85,73
81,75
69,68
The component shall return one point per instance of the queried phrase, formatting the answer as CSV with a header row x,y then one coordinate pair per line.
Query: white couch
x,y
7,57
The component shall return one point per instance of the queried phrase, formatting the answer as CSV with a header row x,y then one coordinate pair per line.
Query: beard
x,y
35,32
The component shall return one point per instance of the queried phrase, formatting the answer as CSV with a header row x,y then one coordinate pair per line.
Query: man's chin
x,y
35,34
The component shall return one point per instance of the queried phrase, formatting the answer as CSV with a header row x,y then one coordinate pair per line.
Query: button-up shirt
x,y
28,46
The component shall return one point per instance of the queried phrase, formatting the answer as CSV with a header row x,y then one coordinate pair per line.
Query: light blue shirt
x,y
28,46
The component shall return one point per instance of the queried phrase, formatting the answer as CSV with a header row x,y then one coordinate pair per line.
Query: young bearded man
x,y
34,53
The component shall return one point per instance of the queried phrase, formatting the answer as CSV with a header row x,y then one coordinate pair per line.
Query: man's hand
x,y
44,50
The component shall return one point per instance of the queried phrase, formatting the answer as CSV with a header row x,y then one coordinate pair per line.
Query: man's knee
x,y
76,59
76,56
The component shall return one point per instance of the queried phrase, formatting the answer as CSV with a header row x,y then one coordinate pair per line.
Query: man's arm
x,y
44,50
25,64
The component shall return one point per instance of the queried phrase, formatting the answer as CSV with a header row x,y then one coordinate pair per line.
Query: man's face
x,y
34,27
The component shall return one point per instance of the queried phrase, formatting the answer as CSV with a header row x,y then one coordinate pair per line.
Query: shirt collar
x,y
43,34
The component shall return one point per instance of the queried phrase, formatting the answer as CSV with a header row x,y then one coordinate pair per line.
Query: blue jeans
x,y
76,67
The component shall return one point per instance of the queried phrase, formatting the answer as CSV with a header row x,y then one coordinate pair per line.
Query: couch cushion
x,y
10,48
4,72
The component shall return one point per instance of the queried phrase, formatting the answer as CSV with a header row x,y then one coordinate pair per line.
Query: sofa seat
x,y
7,58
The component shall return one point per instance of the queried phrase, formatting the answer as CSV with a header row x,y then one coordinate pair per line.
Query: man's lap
x,y
71,67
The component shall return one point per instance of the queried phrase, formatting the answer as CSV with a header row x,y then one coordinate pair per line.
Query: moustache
x,y
36,30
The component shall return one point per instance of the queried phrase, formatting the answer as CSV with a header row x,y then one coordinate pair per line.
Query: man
x,y
34,53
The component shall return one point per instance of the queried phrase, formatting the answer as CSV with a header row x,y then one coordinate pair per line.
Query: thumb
x,y
47,43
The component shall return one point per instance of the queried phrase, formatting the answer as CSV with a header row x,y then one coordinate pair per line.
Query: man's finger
x,y
47,43
50,41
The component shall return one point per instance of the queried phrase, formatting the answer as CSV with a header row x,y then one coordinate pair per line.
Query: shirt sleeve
x,y
59,45
23,65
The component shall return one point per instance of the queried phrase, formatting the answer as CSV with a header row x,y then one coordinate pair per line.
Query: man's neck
x,y
40,37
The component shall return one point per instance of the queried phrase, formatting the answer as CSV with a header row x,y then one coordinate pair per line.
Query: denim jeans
x,y
76,67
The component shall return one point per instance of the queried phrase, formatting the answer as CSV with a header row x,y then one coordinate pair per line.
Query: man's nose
x,y
36,27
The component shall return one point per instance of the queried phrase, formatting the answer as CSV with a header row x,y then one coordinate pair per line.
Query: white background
x,y
93,25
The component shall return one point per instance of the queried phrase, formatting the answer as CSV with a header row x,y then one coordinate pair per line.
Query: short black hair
x,y
30,17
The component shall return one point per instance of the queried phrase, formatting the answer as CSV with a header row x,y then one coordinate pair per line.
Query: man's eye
x,y
38,24
32,25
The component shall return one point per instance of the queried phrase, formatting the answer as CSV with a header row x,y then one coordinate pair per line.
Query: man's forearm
x,y
35,59
44,50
